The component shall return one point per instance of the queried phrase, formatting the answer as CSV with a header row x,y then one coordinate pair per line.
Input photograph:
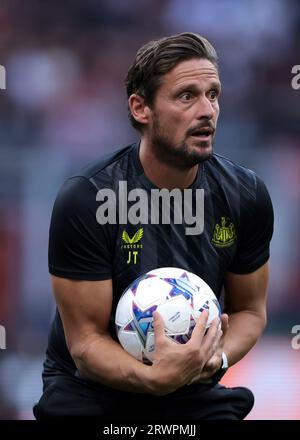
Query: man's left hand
x,y
215,362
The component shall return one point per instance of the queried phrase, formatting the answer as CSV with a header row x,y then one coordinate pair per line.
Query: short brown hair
x,y
158,57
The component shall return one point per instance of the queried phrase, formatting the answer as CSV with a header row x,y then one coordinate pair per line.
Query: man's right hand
x,y
176,364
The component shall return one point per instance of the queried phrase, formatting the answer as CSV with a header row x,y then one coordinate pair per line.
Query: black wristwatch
x,y
222,370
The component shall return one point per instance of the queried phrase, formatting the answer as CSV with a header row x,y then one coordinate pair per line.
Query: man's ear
x,y
139,110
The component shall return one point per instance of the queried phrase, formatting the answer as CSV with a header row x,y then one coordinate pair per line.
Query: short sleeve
x,y
79,247
256,231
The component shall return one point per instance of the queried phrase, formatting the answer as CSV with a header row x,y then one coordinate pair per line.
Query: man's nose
x,y
205,108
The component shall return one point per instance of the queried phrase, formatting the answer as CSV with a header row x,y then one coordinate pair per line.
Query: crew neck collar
x,y
148,183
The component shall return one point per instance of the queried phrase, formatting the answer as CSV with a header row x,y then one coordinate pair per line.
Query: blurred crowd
x,y
65,105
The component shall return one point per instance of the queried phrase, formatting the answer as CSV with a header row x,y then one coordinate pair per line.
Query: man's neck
x,y
162,174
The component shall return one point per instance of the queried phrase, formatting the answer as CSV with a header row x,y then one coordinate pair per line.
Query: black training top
x,y
238,226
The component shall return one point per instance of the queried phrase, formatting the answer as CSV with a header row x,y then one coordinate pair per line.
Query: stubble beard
x,y
179,156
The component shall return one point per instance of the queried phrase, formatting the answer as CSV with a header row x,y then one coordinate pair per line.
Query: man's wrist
x,y
222,370
153,381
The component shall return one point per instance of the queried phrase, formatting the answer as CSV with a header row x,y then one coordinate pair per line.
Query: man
x,y
173,88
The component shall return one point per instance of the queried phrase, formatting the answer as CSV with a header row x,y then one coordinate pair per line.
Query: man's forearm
x,y
244,330
103,360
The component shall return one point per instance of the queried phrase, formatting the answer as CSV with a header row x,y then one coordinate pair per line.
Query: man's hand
x,y
215,362
175,364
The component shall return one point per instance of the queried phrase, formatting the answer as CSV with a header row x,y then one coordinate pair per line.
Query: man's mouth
x,y
202,133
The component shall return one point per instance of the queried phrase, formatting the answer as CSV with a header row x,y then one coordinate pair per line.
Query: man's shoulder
x,y
224,164
117,158
228,172
82,185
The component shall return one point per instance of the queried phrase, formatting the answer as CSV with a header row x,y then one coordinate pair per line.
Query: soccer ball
x,y
178,295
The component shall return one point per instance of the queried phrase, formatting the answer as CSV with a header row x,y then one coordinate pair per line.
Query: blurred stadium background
x,y
65,105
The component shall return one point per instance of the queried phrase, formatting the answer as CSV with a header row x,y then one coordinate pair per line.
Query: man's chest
x,y
144,247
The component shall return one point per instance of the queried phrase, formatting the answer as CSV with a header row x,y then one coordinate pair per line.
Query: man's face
x,y
184,114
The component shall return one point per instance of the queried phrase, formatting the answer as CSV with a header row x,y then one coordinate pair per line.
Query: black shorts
x,y
66,396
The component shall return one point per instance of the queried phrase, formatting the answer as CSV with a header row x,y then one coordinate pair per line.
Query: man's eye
x,y
186,96
213,95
